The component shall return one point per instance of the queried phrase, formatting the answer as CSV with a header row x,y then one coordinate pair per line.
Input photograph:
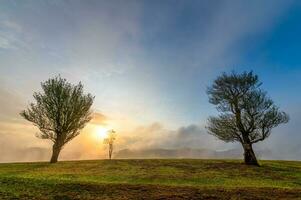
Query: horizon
x,y
148,64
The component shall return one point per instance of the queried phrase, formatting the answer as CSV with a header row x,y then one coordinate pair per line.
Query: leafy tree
x,y
60,111
247,114
110,141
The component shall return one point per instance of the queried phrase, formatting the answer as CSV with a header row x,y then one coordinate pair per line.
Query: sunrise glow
x,y
100,132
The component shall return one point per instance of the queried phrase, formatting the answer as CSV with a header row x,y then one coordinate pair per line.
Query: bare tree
x,y
247,114
110,141
60,111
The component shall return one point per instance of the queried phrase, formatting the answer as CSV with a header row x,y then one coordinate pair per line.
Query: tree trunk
x,y
249,155
55,153
110,151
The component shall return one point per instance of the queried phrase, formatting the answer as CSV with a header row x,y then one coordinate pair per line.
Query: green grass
x,y
151,179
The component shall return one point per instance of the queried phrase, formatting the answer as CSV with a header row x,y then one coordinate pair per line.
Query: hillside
x,y
151,179
186,153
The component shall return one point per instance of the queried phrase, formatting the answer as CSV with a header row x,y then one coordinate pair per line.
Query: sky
x,y
148,64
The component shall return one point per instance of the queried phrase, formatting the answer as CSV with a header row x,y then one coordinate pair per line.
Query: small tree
x,y
247,113
60,111
110,141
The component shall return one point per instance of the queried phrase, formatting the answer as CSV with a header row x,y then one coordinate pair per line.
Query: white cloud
x,y
9,34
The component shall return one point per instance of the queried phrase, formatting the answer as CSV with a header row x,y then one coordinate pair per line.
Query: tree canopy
x,y
247,114
60,111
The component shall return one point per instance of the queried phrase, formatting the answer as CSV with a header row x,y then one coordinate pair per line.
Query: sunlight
x,y
101,132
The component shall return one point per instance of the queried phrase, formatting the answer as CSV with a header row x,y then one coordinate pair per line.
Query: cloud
x,y
285,140
17,137
10,103
9,35
98,119
157,136
282,144
195,137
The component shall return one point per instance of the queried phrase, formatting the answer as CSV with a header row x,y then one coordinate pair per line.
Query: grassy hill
x,y
151,179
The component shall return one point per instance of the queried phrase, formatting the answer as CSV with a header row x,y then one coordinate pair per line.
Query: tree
x,y
110,141
60,111
247,114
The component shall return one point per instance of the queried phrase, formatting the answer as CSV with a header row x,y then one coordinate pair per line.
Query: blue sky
x,y
151,61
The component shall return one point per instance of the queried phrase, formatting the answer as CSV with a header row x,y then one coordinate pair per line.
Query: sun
x,y
101,132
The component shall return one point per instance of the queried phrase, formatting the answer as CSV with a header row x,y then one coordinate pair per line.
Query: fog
x,y
19,144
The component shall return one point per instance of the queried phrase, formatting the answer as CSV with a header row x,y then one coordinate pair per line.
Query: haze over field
x,y
148,64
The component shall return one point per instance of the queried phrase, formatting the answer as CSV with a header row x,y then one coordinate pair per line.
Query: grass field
x,y
151,179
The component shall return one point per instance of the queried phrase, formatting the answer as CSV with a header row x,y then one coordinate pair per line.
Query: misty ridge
x,y
187,153
42,154
157,143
